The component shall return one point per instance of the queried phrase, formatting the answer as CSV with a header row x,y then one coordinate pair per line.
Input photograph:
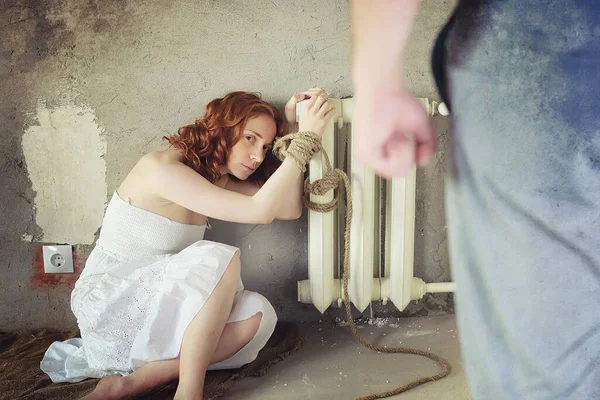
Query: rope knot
x,y
300,146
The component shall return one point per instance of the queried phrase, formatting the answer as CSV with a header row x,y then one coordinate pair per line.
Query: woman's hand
x,y
316,114
290,107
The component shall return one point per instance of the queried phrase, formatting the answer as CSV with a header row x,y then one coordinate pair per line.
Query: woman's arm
x,y
290,209
179,184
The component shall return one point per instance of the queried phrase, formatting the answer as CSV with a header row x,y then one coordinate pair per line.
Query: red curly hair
x,y
207,143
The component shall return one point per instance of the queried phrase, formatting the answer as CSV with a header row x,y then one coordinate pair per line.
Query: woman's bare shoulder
x,y
146,170
161,158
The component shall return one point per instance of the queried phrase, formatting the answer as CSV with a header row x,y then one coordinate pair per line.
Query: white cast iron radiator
x,y
383,224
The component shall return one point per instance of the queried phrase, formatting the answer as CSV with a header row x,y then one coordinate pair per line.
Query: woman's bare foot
x,y
110,387
182,394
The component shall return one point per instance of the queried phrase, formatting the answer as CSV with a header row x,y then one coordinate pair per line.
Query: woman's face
x,y
250,151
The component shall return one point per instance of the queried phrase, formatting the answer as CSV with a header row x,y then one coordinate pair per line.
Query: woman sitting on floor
x,y
155,302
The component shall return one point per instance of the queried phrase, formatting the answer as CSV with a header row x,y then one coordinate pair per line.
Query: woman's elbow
x,y
298,213
265,219
265,216
293,214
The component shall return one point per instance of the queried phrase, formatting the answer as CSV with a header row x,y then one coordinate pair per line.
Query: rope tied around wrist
x,y
301,147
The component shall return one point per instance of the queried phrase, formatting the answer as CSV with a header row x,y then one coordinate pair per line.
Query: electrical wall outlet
x,y
58,259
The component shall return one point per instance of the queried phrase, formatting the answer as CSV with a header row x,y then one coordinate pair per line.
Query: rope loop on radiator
x,y
301,147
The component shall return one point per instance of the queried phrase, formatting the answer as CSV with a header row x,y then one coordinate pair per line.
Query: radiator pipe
x,y
380,290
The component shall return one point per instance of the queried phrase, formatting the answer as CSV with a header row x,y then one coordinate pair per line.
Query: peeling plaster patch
x,y
65,161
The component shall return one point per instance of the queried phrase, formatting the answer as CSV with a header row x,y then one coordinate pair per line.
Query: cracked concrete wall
x,y
89,86
64,157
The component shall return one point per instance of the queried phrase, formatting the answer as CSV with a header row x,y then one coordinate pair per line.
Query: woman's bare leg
x,y
147,377
203,333
234,336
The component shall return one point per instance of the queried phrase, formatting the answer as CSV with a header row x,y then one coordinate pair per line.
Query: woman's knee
x,y
256,308
262,322
252,325
268,316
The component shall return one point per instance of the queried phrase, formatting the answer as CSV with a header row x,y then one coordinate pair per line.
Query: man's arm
x,y
380,33
392,129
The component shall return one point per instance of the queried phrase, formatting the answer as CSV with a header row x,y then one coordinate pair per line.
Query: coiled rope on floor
x,y
301,147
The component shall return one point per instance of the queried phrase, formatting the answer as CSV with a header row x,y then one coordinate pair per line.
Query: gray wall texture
x,y
90,86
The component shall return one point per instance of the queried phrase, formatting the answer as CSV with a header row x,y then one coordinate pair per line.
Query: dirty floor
x,y
331,365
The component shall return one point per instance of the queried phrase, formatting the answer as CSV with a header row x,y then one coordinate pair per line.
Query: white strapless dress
x,y
143,283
